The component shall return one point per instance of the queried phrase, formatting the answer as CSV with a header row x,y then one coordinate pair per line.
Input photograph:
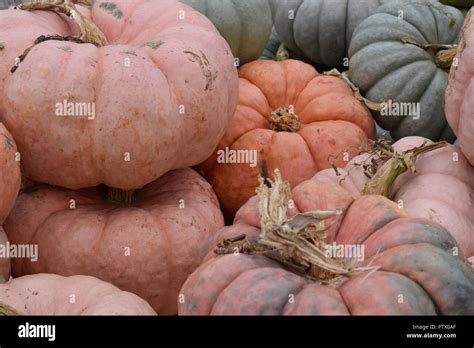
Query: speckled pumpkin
x,y
163,89
148,248
460,91
386,68
442,190
418,272
51,294
331,121
245,24
321,29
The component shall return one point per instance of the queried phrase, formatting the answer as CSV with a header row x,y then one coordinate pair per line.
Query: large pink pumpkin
x,y
442,190
164,89
148,248
50,294
460,91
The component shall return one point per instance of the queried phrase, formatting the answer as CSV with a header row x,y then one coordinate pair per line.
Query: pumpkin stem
x,y
115,195
368,103
398,163
89,32
298,242
284,120
6,310
443,54
282,53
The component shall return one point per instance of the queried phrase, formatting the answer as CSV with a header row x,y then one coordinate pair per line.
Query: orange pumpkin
x,y
292,117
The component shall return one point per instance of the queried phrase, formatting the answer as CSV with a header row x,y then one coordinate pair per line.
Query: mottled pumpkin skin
x,y
385,68
333,121
164,90
442,190
51,294
414,255
460,91
148,248
245,24
321,29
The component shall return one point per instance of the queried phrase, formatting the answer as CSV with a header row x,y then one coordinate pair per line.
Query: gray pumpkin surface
x,y
271,49
321,29
384,67
245,24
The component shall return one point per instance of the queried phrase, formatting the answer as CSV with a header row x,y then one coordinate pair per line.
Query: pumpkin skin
x,y
245,24
5,267
384,68
414,255
322,29
460,91
50,294
271,49
458,3
442,190
148,248
10,177
184,66
333,121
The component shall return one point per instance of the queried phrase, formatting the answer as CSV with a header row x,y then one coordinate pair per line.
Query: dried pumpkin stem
x,y
6,310
88,31
284,120
398,163
370,104
115,195
443,54
282,53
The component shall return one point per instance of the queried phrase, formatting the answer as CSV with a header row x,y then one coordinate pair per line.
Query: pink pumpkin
x,y
10,177
460,91
442,190
157,97
50,294
148,247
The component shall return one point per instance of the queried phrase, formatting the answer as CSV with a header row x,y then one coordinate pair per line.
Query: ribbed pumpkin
x,y
385,66
417,273
460,91
163,90
245,24
50,294
293,118
148,247
321,29
441,190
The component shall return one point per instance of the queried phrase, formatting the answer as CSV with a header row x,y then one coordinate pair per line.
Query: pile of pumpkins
x,y
132,135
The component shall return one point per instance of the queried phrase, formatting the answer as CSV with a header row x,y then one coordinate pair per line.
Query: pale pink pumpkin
x,y
51,294
442,190
4,261
10,177
164,89
459,107
148,248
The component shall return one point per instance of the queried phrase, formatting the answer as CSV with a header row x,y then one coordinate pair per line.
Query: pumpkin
x,y
441,190
51,294
271,49
321,29
10,177
413,270
290,117
393,60
148,246
161,91
245,24
4,261
460,91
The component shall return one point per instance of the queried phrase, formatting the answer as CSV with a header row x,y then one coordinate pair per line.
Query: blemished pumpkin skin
x,y
460,91
164,90
321,30
385,68
441,190
51,294
414,255
148,248
245,24
332,121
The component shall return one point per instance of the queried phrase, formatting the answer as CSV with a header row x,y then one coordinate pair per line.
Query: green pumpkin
x,y
385,68
321,29
245,24
458,3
